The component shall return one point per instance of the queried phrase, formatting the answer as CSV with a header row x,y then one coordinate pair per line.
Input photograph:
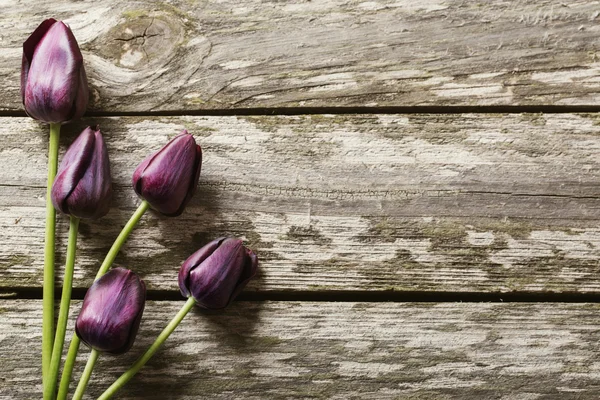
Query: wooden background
x,y
420,180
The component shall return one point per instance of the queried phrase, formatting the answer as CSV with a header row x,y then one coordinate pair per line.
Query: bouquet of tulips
x,y
54,90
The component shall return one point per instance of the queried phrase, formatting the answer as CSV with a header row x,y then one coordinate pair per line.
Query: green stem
x,y
136,366
48,291
63,315
120,240
65,379
87,372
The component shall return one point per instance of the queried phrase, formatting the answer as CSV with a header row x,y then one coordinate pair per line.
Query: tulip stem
x,y
114,250
87,372
63,315
48,288
140,362
65,379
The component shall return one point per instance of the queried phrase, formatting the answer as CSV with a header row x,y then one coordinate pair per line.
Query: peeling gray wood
x,y
188,55
290,350
465,202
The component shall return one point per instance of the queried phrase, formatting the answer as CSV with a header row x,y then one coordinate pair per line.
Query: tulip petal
x,y
165,178
83,95
248,272
29,48
140,296
91,196
83,185
72,168
216,278
194,181
111,311
217,273
54,75
194,261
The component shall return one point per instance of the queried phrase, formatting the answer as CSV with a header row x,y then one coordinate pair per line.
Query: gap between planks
x,y
348,296
499,109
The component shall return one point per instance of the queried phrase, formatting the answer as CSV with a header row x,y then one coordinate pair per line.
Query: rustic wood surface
x,y
322,350
467,202
383,203
189,54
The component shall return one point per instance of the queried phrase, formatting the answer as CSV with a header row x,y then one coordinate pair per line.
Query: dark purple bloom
x,y
83,185
111,312
168,178
53,82
217,273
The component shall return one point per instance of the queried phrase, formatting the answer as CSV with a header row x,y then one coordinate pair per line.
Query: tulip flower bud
x,y
217,273
111,311
168,178
82,187
53,82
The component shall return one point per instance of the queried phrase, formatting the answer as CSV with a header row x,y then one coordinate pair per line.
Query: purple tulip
x,y
217,273
111,312
83,185
168,178
53,82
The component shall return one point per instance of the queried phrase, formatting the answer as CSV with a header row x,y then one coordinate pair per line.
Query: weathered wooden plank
x,y
464,202
187,55
294,350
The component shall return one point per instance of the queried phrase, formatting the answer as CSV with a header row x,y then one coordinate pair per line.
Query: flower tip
x,y
61,25
37,35
184,136
253,256
97,133
232,241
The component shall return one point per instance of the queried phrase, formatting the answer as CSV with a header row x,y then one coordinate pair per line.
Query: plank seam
x,y
351,296
493,109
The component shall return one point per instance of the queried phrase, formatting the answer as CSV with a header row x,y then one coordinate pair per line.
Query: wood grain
x,y
291,350
467,202
195,54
